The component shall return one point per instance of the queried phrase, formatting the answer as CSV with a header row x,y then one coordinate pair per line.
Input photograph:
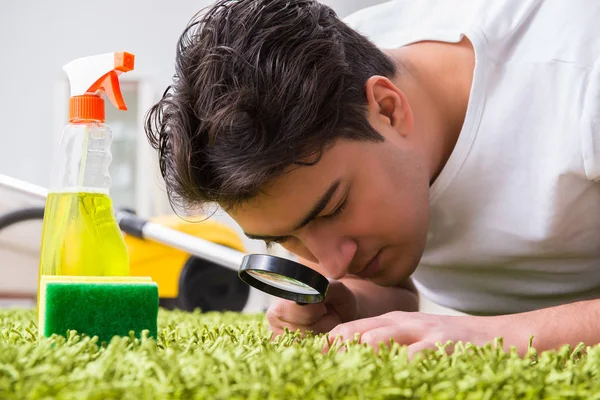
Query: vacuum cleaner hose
x,y
25,214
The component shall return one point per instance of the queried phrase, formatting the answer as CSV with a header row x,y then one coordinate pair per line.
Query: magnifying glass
x,y
283,278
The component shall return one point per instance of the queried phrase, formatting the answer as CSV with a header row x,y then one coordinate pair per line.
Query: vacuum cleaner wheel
x,y
211,287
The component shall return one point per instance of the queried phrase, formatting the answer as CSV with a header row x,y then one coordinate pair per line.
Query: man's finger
x,y
323,325
348,330
326,323
418,347
377,336
294,314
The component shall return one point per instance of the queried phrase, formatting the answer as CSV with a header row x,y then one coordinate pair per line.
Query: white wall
x,y
38,37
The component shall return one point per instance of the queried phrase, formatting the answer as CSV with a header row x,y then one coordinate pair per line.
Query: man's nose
x,y
334,254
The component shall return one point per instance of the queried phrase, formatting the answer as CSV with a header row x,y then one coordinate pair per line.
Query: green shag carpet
x,y
230,356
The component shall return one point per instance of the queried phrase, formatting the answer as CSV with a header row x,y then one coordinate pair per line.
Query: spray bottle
x,y
80,234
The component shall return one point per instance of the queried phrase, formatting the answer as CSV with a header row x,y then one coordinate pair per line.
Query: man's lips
x,y
370,268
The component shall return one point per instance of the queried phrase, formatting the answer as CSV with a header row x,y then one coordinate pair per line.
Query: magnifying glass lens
x,y
282,282
283,278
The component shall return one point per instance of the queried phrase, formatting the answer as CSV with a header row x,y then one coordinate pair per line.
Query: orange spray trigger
x,y
109,83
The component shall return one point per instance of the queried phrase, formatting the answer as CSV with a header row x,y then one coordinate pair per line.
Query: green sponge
x,y
98,306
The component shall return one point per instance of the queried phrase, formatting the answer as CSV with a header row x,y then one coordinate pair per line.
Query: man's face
x,y
363,210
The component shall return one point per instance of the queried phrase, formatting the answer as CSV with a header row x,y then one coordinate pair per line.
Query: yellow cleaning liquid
x,y
81,237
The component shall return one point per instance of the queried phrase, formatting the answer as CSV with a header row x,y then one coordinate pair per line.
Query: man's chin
x,y
384,278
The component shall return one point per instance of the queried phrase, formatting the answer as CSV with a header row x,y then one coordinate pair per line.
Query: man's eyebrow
x,y
319,206
312,214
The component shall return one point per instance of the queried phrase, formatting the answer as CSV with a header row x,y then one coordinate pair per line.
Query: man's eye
x,y
339,210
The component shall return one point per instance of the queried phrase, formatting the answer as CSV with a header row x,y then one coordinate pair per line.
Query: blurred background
x,y
36,39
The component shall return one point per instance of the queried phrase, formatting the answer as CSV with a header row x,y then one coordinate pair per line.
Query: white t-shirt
x,y
515,213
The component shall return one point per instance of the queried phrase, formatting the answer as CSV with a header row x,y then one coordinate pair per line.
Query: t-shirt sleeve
x,y
591,126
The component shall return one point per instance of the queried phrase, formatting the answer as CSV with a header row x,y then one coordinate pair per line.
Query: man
x,y
449,147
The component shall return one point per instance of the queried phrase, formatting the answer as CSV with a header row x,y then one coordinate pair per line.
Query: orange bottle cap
x,y
86,108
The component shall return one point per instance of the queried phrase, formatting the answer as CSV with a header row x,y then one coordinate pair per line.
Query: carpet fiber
x,y
230,356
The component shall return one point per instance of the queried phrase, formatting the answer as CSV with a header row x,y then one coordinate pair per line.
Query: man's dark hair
x,y
261,86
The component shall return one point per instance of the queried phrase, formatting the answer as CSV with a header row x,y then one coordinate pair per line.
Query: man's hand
x,y
420,331
551,328
348,299
339,306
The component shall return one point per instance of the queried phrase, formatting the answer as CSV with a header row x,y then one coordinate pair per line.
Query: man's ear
x,y
388,106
